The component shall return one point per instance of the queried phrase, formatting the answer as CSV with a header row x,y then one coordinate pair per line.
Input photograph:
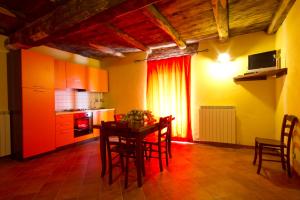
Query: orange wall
x,y
288,89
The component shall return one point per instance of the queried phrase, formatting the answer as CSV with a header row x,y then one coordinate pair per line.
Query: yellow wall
x,y
212,84
288,89
4,117
127,82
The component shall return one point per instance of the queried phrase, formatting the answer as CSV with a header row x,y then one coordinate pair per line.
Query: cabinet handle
x,y
39,90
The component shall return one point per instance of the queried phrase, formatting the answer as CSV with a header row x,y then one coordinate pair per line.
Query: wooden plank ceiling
x,y
101,28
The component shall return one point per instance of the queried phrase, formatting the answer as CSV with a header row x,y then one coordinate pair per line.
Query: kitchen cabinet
x,y
38,121
102,115
76,76
103,77
64,129
97,80
37,70
60,74
31,103
93,79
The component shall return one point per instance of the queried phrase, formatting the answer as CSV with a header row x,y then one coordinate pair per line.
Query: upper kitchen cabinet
x,y
76,76
97,80
103,77
37,70
60,74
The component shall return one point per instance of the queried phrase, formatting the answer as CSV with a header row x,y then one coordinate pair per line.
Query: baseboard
x,y
225,145
52,151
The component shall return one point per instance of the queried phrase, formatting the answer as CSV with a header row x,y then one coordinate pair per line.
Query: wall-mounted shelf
x,y
261,75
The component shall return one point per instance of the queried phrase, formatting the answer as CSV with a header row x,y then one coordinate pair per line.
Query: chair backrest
x,y
164,126
118,117
287,129
113,128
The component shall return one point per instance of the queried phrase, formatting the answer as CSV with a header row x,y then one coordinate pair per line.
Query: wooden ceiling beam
x,y
71,16
159,20
280,15
106,50
4,11
121,34
220,10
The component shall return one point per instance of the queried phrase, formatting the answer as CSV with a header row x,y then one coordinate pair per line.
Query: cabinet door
x,y
93,79
60,74
37,70
103,78
38,121
64,130
76,76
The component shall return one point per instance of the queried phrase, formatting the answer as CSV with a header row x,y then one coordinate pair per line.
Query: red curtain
x,y
168,92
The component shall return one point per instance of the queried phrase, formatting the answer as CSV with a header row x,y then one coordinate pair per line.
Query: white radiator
x,y
217,124
4,134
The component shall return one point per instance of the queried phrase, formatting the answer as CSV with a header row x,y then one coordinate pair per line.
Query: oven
x,y
83,123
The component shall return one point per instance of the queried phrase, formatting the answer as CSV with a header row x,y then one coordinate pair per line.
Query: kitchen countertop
x,y
80,111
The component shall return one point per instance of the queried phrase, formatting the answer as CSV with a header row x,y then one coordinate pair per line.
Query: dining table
x,y
139,131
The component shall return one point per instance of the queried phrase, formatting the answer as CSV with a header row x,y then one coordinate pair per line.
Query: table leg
x,y
103,154
139,154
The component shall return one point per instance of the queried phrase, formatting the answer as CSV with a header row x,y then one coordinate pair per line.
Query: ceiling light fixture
x,y
223,58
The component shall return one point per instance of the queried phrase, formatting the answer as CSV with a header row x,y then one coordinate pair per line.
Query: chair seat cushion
x,y
269,142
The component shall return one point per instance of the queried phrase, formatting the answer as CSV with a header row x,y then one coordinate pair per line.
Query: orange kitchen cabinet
x,y
64,129
93,79
97,80
38,121
37,70
30,77
102,115
76,76
60,74
103,78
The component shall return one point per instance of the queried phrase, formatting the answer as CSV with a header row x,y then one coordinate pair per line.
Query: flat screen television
x,y
262,61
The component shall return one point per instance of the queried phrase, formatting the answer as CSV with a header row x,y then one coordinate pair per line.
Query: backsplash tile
x,y
72,99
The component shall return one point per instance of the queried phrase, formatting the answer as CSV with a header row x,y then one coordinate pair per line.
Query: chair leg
x,y
167,149
288,163
169,146
126,172
122,162
150,154
110,172
260,147
282,158
255,153
160,158
143,166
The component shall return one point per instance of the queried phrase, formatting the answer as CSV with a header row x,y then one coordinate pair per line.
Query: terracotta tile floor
x,y
195,172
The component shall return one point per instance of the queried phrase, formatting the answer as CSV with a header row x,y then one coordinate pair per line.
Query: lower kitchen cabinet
x,y
64,129
102,115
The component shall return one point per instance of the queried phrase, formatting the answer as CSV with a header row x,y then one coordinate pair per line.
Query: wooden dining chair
x,y
159,140
279,148
117,149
